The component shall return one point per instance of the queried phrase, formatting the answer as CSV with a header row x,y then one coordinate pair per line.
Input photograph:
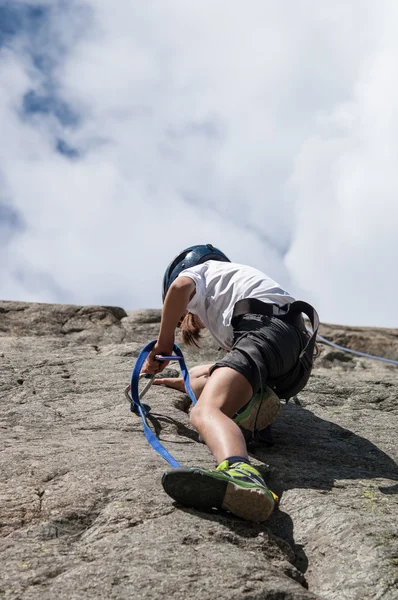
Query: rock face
x,y
82,511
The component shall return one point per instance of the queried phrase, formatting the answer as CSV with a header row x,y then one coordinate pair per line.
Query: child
x,y
247,314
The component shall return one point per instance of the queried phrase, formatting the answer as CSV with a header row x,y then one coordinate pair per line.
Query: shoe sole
x,y
261,417
197,489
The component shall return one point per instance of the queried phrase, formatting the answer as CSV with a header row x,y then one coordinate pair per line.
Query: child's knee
x,y
196,416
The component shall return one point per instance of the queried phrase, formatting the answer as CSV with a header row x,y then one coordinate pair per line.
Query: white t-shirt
x,y
219,286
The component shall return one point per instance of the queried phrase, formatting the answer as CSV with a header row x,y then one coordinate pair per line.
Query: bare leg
x,y
240,490
198,377
225,392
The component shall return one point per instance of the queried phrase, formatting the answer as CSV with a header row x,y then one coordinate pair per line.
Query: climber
x,y
261,327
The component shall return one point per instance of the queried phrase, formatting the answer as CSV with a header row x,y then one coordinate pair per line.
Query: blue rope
x,y
142,410
357,352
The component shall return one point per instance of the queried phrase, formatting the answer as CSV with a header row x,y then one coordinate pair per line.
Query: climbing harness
x,y
142,410
291,383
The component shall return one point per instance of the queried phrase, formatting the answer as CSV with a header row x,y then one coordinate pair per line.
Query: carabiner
x,y
133,406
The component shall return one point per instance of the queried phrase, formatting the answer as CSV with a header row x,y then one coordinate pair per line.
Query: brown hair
x,y
190,330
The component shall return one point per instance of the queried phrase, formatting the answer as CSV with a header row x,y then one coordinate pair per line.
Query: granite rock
x,y
82,511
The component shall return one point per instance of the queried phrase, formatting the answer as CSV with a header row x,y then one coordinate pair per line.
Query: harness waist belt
x,y
254,306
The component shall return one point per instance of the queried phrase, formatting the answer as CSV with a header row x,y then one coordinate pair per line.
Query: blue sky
x,y
130,131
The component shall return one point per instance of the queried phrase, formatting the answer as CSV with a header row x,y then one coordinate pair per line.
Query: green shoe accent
x,y
239,489
223,466
259,412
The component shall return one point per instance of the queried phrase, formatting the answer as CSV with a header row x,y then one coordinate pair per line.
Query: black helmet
x,y
190,257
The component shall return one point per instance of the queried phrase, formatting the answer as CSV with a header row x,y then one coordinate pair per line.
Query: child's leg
x,y
198,377
225,392
235,485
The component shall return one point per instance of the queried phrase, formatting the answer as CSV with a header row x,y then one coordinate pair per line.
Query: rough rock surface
x,y
82,511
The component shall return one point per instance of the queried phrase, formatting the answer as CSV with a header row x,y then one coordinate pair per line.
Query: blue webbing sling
x,y
142,409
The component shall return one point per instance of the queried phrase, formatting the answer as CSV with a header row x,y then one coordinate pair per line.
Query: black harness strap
x,y
290,313
303,307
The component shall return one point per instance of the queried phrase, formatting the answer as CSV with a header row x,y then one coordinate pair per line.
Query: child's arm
x,y
175,306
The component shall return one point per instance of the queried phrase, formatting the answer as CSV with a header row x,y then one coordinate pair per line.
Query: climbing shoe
x,y
240,489
258,413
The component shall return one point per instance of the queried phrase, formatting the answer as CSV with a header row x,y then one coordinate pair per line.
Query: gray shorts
x,y
264,349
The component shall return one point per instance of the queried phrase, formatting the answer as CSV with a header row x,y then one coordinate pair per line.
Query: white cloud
x,y
258,128
346,187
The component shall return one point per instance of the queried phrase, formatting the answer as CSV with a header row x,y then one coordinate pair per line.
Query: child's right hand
x,y
153,366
